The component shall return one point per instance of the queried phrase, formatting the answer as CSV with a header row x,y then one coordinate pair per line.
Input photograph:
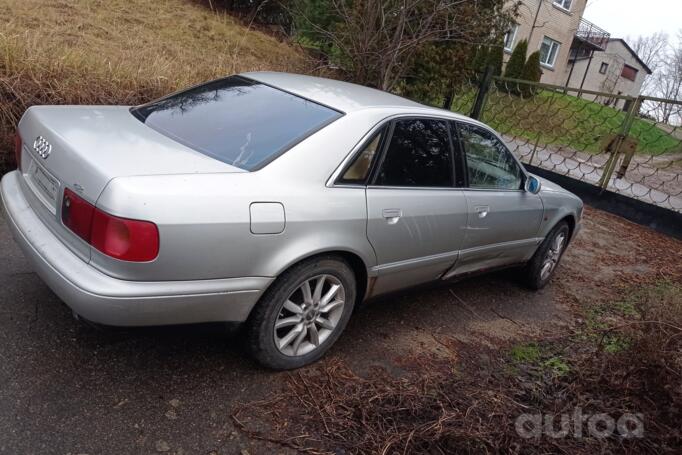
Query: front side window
x,y
489,163
565,4
510,38
549,49
236,120
418,155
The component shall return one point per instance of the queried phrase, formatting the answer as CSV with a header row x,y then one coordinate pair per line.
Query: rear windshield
x,y
236,120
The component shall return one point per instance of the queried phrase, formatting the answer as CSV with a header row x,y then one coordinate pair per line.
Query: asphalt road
x,y
66,387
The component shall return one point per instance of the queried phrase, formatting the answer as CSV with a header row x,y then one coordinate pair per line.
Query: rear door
x,y
416,215
503,219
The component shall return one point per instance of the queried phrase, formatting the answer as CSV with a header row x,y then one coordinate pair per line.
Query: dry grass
x,y
625,360
621,354
329,409
120,52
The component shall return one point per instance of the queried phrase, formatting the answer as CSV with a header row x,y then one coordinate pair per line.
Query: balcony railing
x,y
590,34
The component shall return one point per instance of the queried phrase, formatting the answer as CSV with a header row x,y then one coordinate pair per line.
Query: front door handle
x,y
482,210
392,215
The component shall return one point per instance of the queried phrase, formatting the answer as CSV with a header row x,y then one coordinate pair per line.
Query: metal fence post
x,y
630,116
535,149
482,93
612,162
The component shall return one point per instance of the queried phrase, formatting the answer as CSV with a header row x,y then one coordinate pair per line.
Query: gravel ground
x,y
66,387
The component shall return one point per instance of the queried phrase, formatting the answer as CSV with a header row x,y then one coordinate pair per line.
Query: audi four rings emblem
x,y
42,147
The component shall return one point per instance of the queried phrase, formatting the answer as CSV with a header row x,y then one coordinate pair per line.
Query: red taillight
x,y
17,150
120,238
77,214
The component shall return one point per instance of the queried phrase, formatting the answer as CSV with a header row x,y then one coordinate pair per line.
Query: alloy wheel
x,y
553,255
309,315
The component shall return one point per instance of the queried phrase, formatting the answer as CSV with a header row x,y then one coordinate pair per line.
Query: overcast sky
x,y
636,17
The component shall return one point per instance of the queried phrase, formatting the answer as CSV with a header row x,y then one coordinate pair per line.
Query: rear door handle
x,y
392,215
482,210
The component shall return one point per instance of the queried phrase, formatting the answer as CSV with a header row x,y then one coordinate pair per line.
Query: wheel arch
x,y
556,217
357,264
570,220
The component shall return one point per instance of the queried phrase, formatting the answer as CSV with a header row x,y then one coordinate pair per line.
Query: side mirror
x,y
533,185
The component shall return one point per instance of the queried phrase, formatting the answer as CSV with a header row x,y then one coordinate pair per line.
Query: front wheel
x,y
545,260
302,314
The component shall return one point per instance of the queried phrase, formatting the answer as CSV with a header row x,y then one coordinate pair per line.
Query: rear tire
x,y
544,262
302,314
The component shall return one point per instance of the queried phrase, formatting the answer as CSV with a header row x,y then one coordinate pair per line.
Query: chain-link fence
x,y
615,142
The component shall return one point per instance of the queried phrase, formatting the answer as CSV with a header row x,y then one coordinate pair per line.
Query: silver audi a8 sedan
x,y
277,200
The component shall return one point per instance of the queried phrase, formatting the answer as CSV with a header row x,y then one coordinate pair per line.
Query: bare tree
x,y
664,58
374,39
668,85
652,50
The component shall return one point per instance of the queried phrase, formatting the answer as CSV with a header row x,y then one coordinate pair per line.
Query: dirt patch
x,y
342,412
121,385
611,253
582,351
553,397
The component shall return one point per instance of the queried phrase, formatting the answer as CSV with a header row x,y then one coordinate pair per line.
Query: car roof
x,y
339,95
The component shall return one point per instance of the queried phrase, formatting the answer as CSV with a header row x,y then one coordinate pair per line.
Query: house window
x,y
629,72
604,68
510,37
564,4
549,49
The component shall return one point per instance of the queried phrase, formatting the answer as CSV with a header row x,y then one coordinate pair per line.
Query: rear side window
x,y
358,171
236,120
418,155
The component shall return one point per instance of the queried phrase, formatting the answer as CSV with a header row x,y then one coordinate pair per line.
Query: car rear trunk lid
x,y
85,147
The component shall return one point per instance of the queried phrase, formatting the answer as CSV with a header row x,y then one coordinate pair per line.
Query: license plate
x,y
46,185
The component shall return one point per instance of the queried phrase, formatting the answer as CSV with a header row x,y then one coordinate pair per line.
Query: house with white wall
x,y
575,52
555,28
617,70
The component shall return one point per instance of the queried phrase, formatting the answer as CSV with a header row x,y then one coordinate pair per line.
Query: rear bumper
x,y
106,300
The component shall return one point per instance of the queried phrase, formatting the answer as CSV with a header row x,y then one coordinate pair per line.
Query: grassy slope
x,y
560,119
119,52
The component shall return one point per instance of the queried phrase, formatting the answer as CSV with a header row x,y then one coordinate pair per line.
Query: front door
x,y
503,219
416,216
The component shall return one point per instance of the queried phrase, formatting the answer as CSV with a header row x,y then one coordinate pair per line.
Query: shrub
x,y
514,69
531,72
517,61
308,17
435,72
386,44
480,60
496,58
